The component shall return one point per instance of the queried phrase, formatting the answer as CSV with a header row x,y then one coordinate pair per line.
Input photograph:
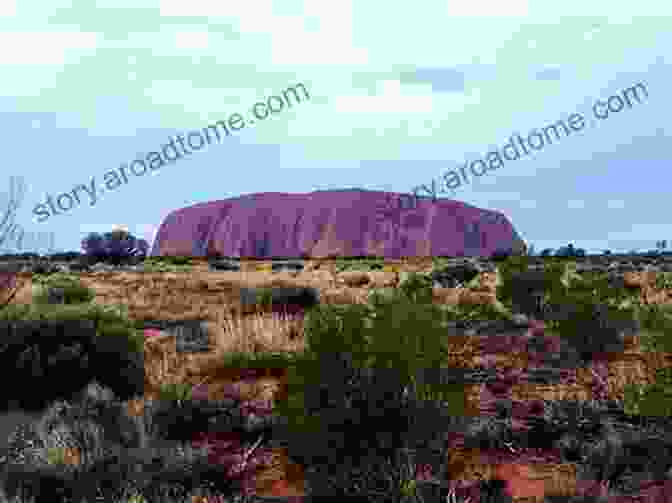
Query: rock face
x,y
341,223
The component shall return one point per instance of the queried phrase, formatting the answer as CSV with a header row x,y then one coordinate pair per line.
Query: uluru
x,y
323,223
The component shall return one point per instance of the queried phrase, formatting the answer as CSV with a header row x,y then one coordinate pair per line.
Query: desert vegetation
x,y
335,371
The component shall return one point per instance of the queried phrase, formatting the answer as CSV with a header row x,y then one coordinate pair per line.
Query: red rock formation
x,y
340,223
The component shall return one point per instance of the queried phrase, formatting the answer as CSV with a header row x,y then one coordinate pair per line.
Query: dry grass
x,y
215,297
259,333
256,334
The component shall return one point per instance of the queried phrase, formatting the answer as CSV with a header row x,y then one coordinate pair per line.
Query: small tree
x,y
114,246
120,232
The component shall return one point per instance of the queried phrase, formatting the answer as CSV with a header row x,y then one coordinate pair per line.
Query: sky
x,y
401,94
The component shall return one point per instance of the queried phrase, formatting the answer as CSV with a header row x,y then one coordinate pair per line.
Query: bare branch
x,y
14,202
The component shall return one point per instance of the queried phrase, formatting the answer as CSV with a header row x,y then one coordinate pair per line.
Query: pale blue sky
x,y
400,93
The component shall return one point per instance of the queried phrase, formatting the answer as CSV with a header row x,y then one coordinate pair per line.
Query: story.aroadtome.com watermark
x,y
65,201
510,152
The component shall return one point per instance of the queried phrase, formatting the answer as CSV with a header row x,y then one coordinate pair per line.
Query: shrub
x,y
664,280
166,264
651,400
597,286
524,291
122,330
366,264
476,312
390,479
175,391
656,326
359,361
382,295
589,325
656,335
84,342
265,297
586,309
176,260
590,312
343,265
74,291
455,275
417,288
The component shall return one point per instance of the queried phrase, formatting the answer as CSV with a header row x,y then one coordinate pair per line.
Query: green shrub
x,y
439,263
358,265
528,291
56,277
558,285
478,312
162,267
381,295
180,260
175,392
111,313
417,288
56,455
590,310
242,360
656,323
78,294
109,320
368,265
167,264
74,291
664,280
655,336
47,312
651,400
597,286
358,363
265,297
343,265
